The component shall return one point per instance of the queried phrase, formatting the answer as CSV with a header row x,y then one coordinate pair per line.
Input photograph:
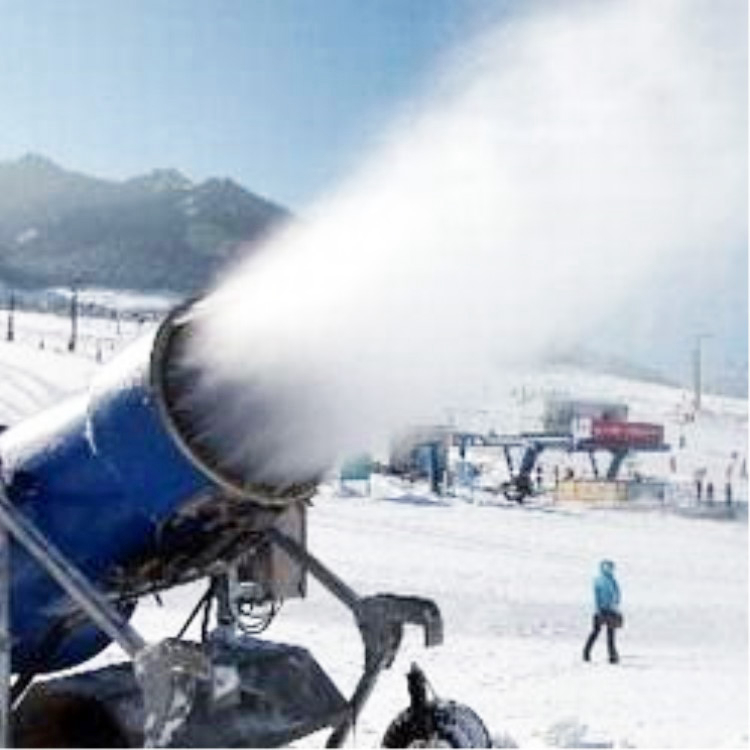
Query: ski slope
x,y
513,583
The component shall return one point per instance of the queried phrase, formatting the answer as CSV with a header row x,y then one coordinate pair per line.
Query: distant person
x,y
728,481
606,610
710,492
700,475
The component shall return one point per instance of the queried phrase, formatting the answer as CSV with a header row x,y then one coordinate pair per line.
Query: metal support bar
x,y
594,465
332,582
617,459
380,620
509,460
362,692
5,642
530,455
73,582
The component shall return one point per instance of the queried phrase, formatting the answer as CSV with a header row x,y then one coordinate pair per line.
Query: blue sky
x,y
282,95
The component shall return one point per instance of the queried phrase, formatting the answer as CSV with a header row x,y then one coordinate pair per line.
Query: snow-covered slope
x,y
36,368
513,583
34,379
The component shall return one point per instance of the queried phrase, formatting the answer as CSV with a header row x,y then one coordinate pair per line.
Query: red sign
x,y
627,433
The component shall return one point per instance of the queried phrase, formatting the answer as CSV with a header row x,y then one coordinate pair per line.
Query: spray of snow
x,y
560,160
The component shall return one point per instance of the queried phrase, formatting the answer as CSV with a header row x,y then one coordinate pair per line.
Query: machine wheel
x,y
446,724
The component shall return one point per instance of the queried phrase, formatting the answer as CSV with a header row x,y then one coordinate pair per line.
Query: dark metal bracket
x,y
380,618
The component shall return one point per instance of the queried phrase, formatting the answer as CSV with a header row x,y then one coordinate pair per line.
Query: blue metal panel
x,y
97,476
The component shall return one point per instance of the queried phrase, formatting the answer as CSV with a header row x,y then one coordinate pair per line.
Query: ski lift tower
x,y
698,369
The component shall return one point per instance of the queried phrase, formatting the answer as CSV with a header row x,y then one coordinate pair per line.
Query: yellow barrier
x,y
592,491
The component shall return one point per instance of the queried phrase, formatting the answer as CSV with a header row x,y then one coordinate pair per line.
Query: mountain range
x,y
163,233
155,232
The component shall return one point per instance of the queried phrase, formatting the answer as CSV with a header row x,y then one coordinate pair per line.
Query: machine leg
x,y
5,643
357,702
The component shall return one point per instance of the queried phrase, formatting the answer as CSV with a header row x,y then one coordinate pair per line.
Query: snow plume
x,y
561,159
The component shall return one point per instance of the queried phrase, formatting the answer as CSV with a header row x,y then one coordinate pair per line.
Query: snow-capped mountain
x,y
159,231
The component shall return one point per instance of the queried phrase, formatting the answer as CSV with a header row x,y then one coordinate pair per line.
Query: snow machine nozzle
x,y
175,378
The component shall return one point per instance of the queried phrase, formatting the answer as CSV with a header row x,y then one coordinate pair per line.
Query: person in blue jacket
x,y
607,610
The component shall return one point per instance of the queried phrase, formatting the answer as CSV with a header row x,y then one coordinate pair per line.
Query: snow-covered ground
x,y
513,582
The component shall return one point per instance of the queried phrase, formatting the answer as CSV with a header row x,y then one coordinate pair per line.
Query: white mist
x,y
560,160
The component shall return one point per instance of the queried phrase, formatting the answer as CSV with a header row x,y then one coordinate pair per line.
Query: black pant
x,y
606,619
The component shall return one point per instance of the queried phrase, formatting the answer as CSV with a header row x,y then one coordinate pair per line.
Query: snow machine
x,y
116,495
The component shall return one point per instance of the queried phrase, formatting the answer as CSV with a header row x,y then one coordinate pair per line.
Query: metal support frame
x,y
5,642
380,619
509,459
535,443
618,456
530,455
520,484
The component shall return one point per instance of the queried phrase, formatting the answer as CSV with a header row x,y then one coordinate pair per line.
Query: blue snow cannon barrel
x,y
102,474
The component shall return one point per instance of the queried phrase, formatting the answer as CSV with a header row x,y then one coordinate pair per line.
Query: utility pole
x,y
11,332
698,369
73,317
